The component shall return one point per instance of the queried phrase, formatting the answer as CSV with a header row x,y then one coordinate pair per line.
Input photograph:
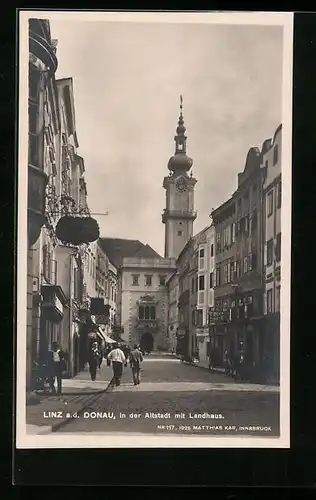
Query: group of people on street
x,y
233,365
239,368
118,356
118,359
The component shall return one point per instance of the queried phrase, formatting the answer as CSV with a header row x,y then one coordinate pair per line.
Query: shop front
x,y
202,340
53,306
271,356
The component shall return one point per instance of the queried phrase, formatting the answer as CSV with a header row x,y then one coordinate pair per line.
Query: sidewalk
x,y
78,392
203,364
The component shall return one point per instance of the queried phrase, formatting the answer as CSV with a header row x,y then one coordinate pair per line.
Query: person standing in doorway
x,y
135,360
117,357
94,359
56,364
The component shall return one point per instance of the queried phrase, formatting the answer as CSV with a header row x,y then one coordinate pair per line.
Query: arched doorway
x,y
147,342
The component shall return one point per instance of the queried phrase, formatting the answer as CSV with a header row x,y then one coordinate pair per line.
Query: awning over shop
x,y
105,337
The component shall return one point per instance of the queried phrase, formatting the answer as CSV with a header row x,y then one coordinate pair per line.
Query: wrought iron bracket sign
x,y
77,230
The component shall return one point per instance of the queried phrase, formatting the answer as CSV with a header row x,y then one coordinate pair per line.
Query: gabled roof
x,y
118,248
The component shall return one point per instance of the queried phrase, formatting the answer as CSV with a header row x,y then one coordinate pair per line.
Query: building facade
x,y
186,268
144,313
42,67
138,293
272,202
58,268
172,284
112,296
236,321
202,287
179,213
56,292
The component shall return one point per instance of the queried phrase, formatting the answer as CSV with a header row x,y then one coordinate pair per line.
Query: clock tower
x,y
179,213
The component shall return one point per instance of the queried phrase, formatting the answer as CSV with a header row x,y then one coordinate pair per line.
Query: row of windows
x,y
246,225
202,256
202,252
243,203
270,247
225,305
147,312
234,269
270,199
148,279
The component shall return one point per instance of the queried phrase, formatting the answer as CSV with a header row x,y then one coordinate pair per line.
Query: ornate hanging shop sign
x,y
76,230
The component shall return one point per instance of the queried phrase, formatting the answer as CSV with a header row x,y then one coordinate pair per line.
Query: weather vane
x,y
181,102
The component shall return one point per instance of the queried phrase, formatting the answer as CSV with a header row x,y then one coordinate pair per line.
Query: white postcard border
x,y
87,440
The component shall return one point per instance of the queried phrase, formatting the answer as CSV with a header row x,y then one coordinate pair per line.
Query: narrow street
x,y
175,398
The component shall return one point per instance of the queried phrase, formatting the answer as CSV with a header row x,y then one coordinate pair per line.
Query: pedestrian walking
x,y
94,359
135,360
101,357
126,351
117,357
56,366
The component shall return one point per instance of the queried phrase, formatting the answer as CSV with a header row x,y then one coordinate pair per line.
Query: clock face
x,y
181,185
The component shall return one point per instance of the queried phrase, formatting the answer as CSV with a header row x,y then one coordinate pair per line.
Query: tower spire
x,y
180,161
180,137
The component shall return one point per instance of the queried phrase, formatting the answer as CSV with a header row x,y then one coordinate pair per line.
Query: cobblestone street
x,y
172,398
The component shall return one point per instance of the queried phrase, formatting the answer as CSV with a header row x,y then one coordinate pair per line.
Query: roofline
x,y
171,275
227,202
184,248
279,128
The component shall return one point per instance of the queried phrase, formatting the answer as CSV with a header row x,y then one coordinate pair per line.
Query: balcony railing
x,y
147,324
176,214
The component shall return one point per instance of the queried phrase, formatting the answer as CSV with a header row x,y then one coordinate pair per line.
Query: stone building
x,y
193,284
172,284
108,289
202,288
57,267
42,67
272,202
186,270
179,214
141,308
237,318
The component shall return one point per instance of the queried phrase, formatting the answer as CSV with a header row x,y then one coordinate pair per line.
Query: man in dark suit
x,y
135,359
56,364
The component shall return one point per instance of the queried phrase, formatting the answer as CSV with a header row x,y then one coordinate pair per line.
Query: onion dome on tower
x,y
180,162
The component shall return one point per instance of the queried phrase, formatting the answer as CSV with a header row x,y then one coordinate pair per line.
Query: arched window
x,y
141,312
147,312
152,312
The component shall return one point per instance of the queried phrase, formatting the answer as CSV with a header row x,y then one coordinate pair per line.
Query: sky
x,y
127,81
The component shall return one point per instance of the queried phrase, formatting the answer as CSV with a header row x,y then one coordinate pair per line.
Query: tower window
x,y
180,233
